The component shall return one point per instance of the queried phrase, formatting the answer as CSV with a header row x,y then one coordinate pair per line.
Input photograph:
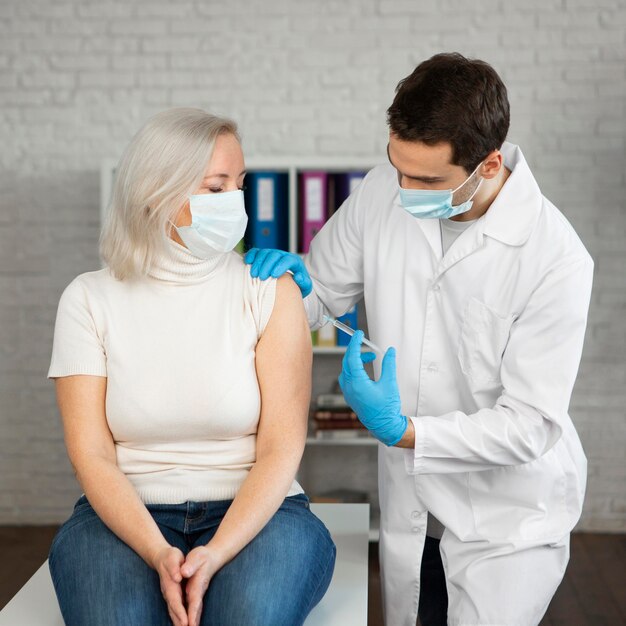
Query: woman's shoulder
x,y
95,277
239,267
88,284
259,295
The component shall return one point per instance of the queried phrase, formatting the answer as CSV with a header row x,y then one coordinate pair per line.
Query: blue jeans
x,y
276,579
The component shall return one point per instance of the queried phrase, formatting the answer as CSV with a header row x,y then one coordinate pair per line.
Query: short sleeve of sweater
x,y
261,295
77,347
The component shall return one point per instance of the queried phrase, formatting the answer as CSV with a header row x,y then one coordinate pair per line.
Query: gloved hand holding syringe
x,y
350,331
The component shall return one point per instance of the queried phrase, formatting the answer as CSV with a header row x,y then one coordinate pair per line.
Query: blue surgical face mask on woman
x,y
436,203
218,222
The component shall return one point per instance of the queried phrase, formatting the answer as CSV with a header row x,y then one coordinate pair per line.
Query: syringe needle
x,y
350,331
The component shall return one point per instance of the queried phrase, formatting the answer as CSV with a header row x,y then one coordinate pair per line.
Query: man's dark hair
x,y
449,98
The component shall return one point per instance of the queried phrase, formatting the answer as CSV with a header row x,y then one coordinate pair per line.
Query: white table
x,y
345,602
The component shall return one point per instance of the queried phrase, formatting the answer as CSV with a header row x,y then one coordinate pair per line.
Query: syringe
x,y
350,331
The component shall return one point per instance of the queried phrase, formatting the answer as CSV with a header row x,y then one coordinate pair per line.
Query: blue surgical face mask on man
x,y
436,203
218,222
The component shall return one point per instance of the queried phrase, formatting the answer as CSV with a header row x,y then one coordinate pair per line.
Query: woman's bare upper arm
x,y
81,401
283,364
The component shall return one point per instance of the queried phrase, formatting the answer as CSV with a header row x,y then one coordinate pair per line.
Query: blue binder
x,y
266,196
349,319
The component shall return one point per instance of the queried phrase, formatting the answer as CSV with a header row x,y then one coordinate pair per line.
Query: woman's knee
x,y
81,530
295,528
99,579
300,547
279,577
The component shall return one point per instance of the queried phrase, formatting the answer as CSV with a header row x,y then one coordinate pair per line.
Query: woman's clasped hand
x,y
184,581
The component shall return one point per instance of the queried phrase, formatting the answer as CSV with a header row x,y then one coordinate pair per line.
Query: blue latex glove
x,y
268,262
377,404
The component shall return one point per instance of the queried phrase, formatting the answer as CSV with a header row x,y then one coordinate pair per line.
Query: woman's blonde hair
x,y
161,166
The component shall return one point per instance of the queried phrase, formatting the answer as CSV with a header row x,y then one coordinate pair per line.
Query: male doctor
x,y
482,287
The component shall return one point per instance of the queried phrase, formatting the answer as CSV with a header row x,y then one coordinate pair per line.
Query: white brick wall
x,y
77,78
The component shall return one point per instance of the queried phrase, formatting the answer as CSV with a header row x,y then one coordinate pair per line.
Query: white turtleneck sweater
x,y
178,350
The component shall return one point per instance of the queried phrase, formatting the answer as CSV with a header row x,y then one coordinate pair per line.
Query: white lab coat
x,y
488,340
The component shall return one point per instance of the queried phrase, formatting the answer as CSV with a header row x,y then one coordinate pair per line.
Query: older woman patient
x,y
184,385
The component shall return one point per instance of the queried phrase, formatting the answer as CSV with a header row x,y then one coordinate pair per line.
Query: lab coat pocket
x,y
521,502
484,336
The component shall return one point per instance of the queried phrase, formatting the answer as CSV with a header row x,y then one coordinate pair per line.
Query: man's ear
x,y
492,165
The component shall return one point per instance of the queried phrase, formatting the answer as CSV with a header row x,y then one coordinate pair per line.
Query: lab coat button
x,y
433,368
415,514
416,529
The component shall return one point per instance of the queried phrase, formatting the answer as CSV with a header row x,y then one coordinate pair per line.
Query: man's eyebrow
x,y
223,175
421,179
426,179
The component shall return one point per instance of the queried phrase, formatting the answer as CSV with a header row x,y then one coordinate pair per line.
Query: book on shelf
x,y
327,336
331,407
267,203
349,319
341,434
337,421
338,424
313,205
340,187
334,415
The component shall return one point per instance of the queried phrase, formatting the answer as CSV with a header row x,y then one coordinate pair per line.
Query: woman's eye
x,y
215,189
